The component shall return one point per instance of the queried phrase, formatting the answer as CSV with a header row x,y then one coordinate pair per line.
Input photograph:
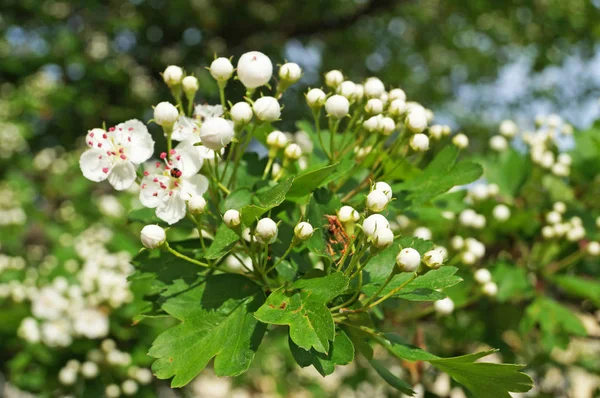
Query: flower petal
x,y
133,135
95,164
190,159
172,209
151,195
184,128
122,175
194,185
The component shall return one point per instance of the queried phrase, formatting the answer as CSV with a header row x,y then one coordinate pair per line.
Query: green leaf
x,y
224,239
579,287
321,204
303,306
341,352
307,182
391,379
424,287
237,199
265,200
509,171
216,321
558,189
512,282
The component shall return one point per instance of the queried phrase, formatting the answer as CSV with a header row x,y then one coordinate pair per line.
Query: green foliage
x,y
341,352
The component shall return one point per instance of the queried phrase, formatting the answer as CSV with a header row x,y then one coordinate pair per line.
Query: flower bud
x,y
383,187
433,259
267,109
254,69
377,201
422,233
475,247
593,249
397,94
303,230
468,258
89,370
190,85
315,98
498,143
383,238
419,142
490,289
436,131
277,140
387,126
266,231
232,218
444,306
457,242
67,376
408,260
416,120
216,133
165,114
129,387
553,217
347,88
373,123
337,106
290,72
501,212
508,128
559,207
241,113
334,78
172,75
347,214
293,152
565,158
359,92
374,88
461,141
483,276
397,108
373,223
153,236
221,69
197,204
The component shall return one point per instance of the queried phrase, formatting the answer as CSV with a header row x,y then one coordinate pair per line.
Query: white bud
x,y
561,229
152,236
493,189
444,306
468,258
89,370
241,113
334,78
254,69
373,123
475,247
337,106
565,159
408,260
303,230
266,231
197,204
457,242
501,212
383,187
347,214
576,233
383,238
376,201
577,221
548,232
443,251
276,139
553,217
498,143
216,133
490,289
416,120
397,107
112,391
315,98
232,218
293,152
483,276
373,223
359,92
172,75
347,88
221,69
419,142
387,126
129,387
267,109
290,72
422,233
67,376
593,248
561,170
165,114
374,106
436,131
461,141
374,88
433,259
397,94
190,85
508,128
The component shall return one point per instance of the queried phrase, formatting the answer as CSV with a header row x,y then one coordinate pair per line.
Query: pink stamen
x,y
157,164
146,173
163,155
105,170
123,157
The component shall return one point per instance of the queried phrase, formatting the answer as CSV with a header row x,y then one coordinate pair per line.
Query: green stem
x,y
317,117
383,286
287,252
268,167
184,257
347,252
387,296
565,262
238,157
333,126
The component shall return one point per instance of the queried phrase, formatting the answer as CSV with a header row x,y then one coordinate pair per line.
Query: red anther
x,y
104,136
155,180
123,157
144,186
92,135
163,155
155,194
105,170
172,152
146,173
99,145
157,164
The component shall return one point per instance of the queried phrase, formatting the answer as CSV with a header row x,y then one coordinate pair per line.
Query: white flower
x,y
493,189
57,333
408,260
129,387
564,158
457,242
419,142
221,69
114,154
416,120
143,376
593,248
254,69
501,212
374,87
347,88
436,131
553,217
433,259
112,391
315,98
172,75
483,276
334,78
374,106
337,106
397,107
267,109
348,214
67,376
373,223
29,330
197,204
48,303
153,236
387,125
508,128
205,111
559,207
397,94
241,113
560,169
276,139
382,238
291,72
293,152
376,201
490,289
444,306
266,231
383,187
475,247
167,186
303,230
190,85
89,370
461,141
92,323
216,133
422,233
184,128
498,143
165,114
232,218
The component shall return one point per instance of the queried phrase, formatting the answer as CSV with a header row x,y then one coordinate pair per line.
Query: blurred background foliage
x,y
79,63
